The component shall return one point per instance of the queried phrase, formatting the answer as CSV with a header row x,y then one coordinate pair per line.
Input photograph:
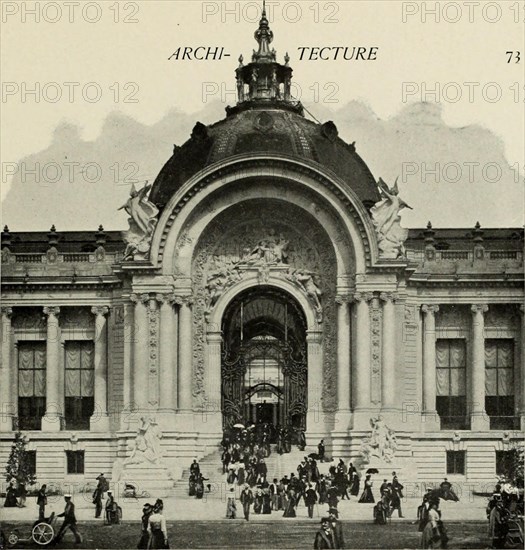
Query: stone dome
x,y
265,129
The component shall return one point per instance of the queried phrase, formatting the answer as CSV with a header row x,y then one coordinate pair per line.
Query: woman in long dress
x,y
231,505
147,510
192,483
433,535
158,532
10,498
382,508
367,495
266,501
354,484
289,512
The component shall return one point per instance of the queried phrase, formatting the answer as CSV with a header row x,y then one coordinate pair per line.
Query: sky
x,y
91,100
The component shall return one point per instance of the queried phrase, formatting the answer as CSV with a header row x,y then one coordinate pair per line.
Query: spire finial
x,y
264,37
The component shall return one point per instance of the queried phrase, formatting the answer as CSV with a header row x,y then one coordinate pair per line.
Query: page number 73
x,y
513,55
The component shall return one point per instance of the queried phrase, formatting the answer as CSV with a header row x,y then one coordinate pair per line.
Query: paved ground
x,y
288,533
201,524
213,507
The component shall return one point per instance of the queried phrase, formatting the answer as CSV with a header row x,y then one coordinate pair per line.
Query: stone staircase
x,y
211,467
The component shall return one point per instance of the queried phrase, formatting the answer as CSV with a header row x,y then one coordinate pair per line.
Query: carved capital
x,y
100,310
343,299
430,309
522,309
166,298
6,312
188,300
479,308
52,310
363,296
140,298
388,296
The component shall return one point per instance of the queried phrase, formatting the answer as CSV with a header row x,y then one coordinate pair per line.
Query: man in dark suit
x,y
397,495
246,501
70,521
336,527
41,500
321,450
324,538
310,499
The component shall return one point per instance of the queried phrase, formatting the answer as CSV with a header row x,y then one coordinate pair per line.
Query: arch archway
x,y
257,243
264,375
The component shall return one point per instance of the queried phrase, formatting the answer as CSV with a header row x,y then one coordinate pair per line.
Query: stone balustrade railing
x,y
418,255
66,257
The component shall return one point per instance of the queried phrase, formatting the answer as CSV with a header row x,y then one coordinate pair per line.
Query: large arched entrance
x,y
264,376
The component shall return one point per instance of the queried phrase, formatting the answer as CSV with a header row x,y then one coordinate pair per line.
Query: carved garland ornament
x,y
296,250
376,317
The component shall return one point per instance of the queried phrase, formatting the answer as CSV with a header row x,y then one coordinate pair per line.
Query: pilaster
x,y
99,422
7,397
478,417
51,421
388,374
430,417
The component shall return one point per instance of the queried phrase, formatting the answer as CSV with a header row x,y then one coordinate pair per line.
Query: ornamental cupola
x,y
264,81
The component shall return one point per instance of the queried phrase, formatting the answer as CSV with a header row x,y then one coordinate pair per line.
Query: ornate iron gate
x,y
295,375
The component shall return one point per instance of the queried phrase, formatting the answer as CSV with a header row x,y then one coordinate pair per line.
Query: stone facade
x,y
409,336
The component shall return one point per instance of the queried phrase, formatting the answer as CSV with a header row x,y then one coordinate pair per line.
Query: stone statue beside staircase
x,y
381,443
144,467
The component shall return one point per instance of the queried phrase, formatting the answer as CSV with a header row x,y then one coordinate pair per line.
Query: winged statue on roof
x,y
142,221
387,221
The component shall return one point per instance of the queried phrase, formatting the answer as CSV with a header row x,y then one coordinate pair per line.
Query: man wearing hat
x,y
70,521
246,501
103,485
310,499
336,527
324,538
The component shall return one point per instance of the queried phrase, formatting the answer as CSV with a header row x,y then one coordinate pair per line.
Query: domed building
x,y
265,278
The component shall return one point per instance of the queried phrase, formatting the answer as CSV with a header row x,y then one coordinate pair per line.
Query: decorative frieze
x,y
376,320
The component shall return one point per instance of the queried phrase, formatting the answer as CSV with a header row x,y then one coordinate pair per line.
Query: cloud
x,y
452,176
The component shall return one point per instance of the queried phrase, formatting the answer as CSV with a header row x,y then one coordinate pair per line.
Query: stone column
x,y
343,362
99,422
362,370
8,394
211,417
168,353
51,421
429,364
478,416
521,395
140,352
388,375
315,415
185,381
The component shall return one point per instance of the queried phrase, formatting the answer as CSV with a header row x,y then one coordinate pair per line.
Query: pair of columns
x,y
52,420
362,371
175,369
477,394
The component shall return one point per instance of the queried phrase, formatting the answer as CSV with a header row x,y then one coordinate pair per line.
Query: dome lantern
x,y
264,79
